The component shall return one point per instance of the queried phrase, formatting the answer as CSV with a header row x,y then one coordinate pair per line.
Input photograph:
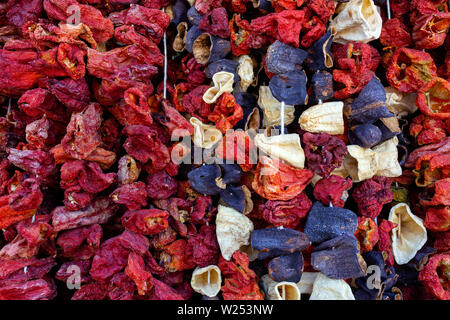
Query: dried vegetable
x,y
236,150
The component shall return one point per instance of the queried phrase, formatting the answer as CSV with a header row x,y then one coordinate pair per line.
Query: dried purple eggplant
x,y
283,58
192,34
324,223
194,17
370,105
203,179
179,10
222,65
322,86
234,197
339,258
290,87
231,173
389,127
320,57
286,268
272,242
207,48
365,135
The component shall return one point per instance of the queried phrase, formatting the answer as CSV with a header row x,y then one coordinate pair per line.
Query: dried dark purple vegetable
x,y
339,258
194,17
222,65
286,268
322,86
324,223
192,34
320,57
389,127
283,58
364,135
203,179
207,48
290,87
272,242
234,197
370,105
179,9
231,173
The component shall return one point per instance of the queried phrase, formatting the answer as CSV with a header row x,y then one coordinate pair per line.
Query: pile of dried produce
x,y
284,149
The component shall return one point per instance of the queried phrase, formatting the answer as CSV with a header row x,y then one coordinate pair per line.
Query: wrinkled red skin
x,y
133,110
420,8
102,28
280,5
88,175
203,246
177,125
174,257
25,68
331,189
395,34
135,270
370,195
241,283
37,162
28,240
20,11
193,71
437,93
26,196
435,283
205,6
192,102
146,221
133,195
313,30
143,144
161,186
80,243
112,256
323,152
71,59
287,214
163,238
82,136
38,289
67,269
275,180
441,147
203,211
410,69
323,8
91,291
384,243
216,23
38,102
41,134
436,194
427,130
239,147
226,113
99,211
284,26
442,241
178,210
438,218
356,56
367,234
74,94
243,38
430,31
162,291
